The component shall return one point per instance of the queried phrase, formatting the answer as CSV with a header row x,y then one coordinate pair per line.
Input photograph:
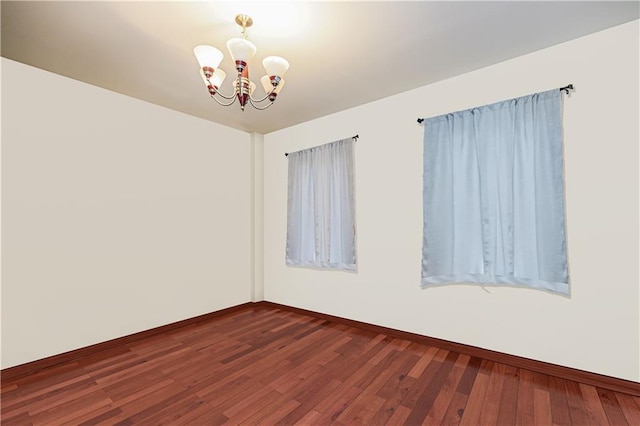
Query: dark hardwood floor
x,y
263,365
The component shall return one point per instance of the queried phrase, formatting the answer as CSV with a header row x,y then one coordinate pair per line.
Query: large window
x,y
321,214
494,195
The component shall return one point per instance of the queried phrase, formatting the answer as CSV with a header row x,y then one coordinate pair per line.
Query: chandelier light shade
x,y
218,77
268,87
241,51
208,57
275,65
213,83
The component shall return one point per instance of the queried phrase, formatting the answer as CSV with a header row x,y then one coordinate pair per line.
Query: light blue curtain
x,y
321,207
494,195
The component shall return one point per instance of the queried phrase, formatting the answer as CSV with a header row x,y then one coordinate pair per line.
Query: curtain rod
x,y
565,89
352,137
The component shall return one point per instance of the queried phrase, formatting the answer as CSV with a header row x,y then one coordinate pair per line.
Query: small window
x,y
321,229
494,195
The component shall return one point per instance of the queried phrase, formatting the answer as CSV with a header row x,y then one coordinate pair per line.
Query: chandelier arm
x,y
225,97
223,104
263,99
260,108
221,95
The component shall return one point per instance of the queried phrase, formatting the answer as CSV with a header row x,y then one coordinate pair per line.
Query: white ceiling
x,y
342,54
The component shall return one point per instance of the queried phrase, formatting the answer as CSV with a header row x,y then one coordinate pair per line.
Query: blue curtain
x,y
321,229
494,195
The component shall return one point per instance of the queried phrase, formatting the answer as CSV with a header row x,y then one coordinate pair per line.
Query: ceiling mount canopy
x,y
241,51
244,21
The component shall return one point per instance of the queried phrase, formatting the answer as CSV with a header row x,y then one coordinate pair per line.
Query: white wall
x,y
117,215
597,328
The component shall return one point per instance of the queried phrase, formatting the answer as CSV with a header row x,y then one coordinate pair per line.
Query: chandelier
x,y
241,51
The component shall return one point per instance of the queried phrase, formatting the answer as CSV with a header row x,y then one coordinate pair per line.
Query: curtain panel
x,y
321,210
494,195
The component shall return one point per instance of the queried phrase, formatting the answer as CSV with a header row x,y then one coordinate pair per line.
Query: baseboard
x,y
586,377
581,376
36,366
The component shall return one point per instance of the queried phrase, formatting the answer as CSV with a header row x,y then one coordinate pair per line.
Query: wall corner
x,y
257,217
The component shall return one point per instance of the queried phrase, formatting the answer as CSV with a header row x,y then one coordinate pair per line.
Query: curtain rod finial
x,y
566,88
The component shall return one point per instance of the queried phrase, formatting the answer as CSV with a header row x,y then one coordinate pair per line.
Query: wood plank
x,y
490,406
542,407
141,392
630,407
399,416
575,401
102,414
455,410
430,393
332,408
177,410
469,377
424,361
509,397
71,409
135,409
36,386
595,411
611,407
108,357
199,414
362,411
541,399
381,385
17,418
445,395
559,404
269,417
392,404
524,410
456,407
473,409
63,398
8,388
395,389
321,390
245,407
309,418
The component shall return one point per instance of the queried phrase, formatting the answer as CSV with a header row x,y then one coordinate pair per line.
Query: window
x,y
494,195
321,213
